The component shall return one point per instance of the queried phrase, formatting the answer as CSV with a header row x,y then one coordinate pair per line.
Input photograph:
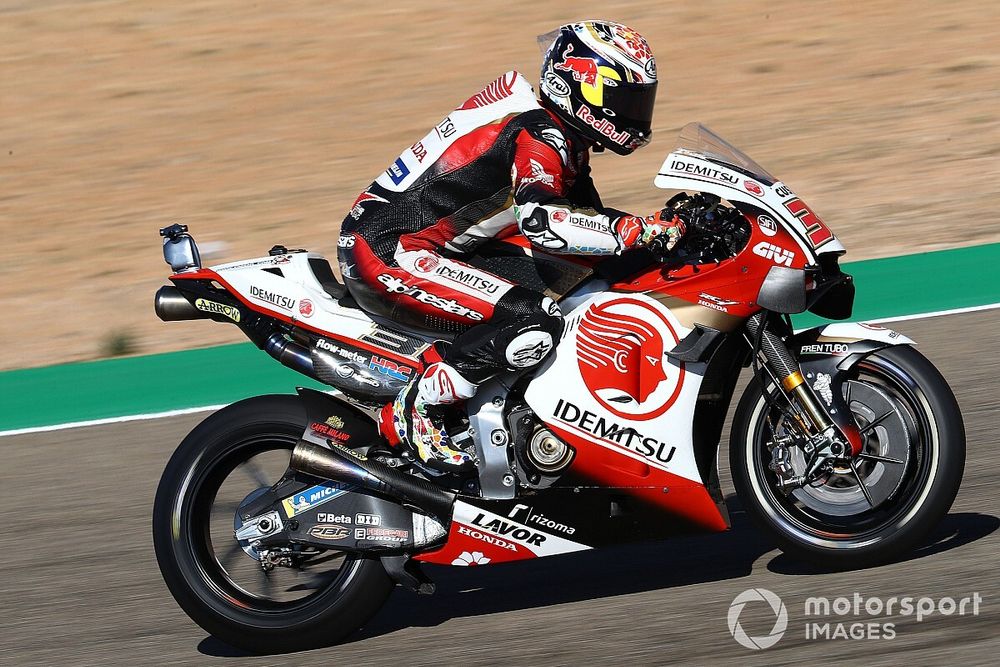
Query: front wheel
x,y
911,466
236,453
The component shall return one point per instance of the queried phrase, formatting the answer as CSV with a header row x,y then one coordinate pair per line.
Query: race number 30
x,y
816,229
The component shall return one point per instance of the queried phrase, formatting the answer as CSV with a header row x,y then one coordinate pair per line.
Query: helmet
x,y
599,78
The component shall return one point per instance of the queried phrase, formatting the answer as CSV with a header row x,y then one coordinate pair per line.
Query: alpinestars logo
x,y
528,348
395,285
553,137
620,347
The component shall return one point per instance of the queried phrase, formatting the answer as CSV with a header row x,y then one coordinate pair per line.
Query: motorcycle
x,y
284,521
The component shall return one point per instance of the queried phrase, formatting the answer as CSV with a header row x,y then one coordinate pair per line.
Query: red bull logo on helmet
x,y
620,347
605,127
583,70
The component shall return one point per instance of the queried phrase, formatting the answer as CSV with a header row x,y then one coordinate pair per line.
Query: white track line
x,y
936,313
210,408
111,420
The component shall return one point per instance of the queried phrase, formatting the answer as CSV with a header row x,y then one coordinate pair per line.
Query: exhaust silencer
x,y
343,465
171,306
290,354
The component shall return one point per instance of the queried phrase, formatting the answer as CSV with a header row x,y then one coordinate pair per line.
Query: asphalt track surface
x,y
79,583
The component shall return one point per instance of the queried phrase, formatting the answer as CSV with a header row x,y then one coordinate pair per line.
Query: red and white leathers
x,y
500,164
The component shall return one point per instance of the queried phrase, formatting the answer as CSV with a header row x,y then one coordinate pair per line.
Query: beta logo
x,y
620,350
776,254
306,308
753,188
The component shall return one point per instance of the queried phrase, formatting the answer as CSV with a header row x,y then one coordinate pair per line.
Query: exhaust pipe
x,y
290,354
342,465
171,306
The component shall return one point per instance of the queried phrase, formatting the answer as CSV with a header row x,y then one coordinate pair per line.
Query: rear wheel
x,y
219,582
910,468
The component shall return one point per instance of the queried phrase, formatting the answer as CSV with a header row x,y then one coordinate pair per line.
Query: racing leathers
x,y
500,164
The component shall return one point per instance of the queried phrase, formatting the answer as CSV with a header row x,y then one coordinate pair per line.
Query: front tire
x,y
831,524
323,611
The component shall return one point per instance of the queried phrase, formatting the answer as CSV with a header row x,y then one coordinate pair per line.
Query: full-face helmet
x,y
599,78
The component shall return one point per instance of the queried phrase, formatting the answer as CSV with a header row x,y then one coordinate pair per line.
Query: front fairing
x,y
705,162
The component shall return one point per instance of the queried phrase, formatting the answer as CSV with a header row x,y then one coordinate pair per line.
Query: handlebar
x,y
714,232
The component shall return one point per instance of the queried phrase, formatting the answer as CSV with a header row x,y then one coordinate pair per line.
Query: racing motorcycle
x,y
284,521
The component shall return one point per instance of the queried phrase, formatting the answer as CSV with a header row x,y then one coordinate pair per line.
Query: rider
x,y
502,162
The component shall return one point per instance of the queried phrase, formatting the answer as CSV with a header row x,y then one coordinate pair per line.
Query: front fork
x,y
829,438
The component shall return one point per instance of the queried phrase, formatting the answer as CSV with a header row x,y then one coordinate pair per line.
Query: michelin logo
x,y
305,500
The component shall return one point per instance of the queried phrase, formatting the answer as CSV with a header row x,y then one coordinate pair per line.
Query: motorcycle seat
x,y
324,275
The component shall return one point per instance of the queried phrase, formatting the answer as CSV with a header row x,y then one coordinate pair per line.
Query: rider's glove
x,y
635,232
660,223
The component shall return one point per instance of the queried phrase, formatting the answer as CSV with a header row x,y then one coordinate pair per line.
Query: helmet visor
x,y
632,105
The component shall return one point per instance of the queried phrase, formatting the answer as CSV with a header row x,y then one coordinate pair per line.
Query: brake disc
x,y
839,494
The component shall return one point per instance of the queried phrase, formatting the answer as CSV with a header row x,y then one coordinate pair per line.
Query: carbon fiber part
x,y
774,349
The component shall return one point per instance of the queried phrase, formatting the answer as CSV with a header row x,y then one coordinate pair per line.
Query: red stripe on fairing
x,y
460,543
208,274
683,497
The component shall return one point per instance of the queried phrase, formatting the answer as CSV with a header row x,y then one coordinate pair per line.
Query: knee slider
x,y
529,340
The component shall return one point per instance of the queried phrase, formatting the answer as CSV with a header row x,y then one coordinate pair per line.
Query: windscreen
x,y
698,139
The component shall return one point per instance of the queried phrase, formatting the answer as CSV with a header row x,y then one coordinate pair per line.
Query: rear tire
x,y
905,517
197,579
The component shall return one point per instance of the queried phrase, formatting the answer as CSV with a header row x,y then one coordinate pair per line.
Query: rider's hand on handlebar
x,y
666,226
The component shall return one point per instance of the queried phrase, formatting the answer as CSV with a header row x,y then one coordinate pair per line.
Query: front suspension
x,y
845,439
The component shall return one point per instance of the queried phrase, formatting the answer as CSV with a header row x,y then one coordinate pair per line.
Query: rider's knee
x,y
526,340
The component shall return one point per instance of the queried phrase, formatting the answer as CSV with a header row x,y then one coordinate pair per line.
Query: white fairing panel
x,y
299,296
863,331
610,383
684,170
540,542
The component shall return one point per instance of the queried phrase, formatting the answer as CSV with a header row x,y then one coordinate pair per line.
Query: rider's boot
x,y
415,419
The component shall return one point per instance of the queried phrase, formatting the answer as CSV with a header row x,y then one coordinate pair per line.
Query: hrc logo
x,y
390,368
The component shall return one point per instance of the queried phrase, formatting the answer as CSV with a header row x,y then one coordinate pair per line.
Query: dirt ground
x,y
258,123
